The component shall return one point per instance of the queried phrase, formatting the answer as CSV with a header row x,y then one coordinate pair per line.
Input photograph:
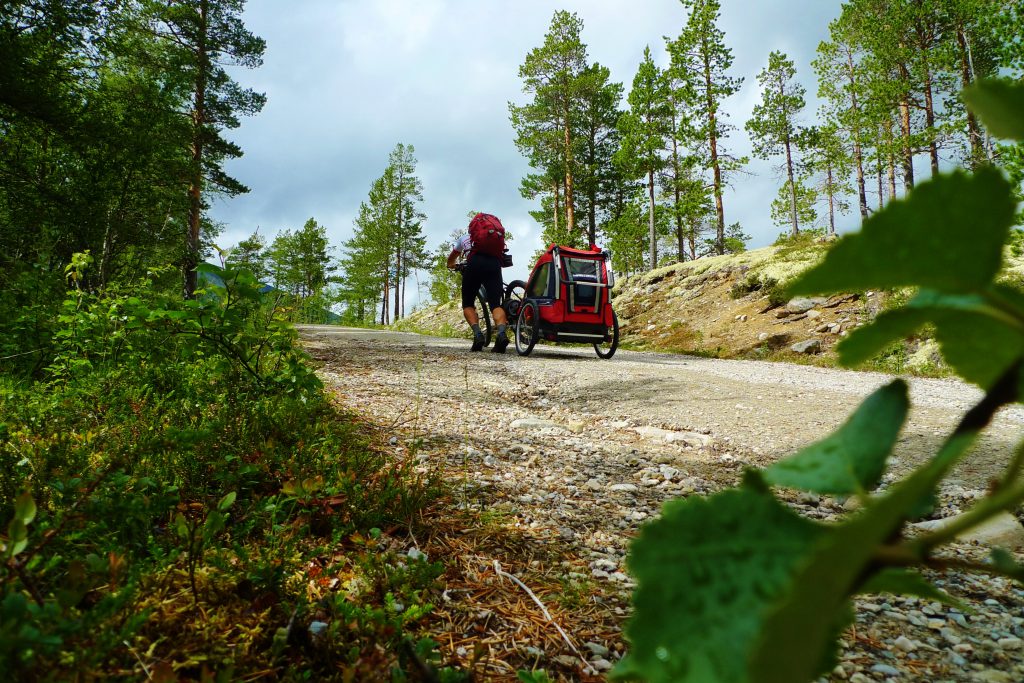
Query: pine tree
x,y
645,128
701,59
250,254
555,75
774,127
203,38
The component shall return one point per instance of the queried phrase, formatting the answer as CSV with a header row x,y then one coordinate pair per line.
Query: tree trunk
x,y
908,150
570,211
195,191
680,234
966,77
715,166
858,156
398,279
929,119
792,188
650,212
831,201
555,190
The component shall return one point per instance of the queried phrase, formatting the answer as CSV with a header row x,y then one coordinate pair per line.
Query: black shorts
x,y
482,269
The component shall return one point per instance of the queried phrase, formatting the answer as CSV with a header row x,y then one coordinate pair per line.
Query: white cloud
x,y
347,80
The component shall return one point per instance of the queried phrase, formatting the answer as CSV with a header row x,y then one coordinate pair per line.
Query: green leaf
x,y
864,343
214,524
797,638
1005,562
1000,106
181,527
17,537
907,582
707,570
851,459
227,501
908,242
977,339
25,508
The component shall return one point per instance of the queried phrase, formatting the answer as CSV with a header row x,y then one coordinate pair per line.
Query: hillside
x,y
728,307
733,306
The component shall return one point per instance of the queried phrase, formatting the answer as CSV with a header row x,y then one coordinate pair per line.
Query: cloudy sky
x,y
346,80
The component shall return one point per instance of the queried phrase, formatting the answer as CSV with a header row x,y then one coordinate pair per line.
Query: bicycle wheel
x,y
515,295
607,349
484,313
527,328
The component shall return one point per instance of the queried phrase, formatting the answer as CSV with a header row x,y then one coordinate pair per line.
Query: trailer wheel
x,y
607,349
515,295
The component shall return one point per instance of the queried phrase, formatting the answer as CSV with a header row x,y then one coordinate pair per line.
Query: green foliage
x,y
118,460
766,592
908,243
387,245
852,459
720,561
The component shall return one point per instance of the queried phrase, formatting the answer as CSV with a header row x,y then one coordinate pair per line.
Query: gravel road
x,y
580,451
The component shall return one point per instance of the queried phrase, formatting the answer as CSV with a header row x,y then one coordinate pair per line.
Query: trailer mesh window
x,y
582,271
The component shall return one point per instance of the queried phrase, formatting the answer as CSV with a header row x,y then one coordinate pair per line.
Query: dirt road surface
x,y
572,453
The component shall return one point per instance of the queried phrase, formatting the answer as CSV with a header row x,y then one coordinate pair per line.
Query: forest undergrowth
x,y
190,504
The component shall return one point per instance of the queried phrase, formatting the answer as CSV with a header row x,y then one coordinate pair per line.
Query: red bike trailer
x,y
568,299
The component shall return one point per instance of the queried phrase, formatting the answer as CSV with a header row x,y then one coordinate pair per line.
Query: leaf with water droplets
x,y
708,570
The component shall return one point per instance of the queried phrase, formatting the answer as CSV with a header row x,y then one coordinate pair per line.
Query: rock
x,y
567,661
813,314
885,670
809,346
860,678
416,554
905,644
802,305
601,664
597,649
741,318
693,439
1003,531
1010,643
763,336
316,628
623,488
992,676
534,423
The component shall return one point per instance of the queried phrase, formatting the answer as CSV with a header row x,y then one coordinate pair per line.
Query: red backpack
x,y
487,234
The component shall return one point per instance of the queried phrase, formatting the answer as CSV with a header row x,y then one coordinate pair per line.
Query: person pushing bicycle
x,y
484,246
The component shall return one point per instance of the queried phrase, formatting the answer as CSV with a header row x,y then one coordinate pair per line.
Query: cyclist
x,y
483,246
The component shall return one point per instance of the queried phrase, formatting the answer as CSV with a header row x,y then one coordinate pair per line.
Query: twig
x,y
547,615
141,663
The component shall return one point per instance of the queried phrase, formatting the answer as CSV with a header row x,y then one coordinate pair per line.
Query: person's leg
x,y
499,316
470,286
492,283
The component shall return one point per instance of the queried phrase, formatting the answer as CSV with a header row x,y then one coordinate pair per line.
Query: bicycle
x,y
513,295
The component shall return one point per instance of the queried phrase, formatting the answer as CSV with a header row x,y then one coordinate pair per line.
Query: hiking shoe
x,y
478,342
500,344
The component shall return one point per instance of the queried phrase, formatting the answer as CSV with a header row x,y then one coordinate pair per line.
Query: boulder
x,y
809,346
802,304
1002,531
